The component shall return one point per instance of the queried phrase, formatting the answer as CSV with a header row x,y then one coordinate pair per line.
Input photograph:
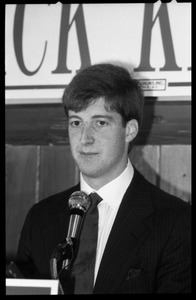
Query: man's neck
x,y
99,182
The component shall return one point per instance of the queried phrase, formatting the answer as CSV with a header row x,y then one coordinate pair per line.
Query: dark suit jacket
x,y
148,250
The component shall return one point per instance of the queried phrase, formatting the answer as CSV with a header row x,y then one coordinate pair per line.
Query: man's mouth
x,y
88,153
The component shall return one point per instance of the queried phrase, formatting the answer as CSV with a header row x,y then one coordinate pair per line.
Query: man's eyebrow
x,y
93,117
103,116
74,117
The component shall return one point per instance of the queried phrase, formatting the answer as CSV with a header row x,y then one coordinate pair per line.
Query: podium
x,y
17,286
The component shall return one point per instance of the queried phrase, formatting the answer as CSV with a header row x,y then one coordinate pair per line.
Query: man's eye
x,y
102,123
75,123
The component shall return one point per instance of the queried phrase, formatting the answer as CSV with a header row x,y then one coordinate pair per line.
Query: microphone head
x,y
79,201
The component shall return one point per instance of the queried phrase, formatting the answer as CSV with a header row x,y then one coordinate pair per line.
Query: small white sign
x,y
16,286
153,84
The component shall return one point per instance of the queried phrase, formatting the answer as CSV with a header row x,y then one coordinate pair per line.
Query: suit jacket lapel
x,y
127,233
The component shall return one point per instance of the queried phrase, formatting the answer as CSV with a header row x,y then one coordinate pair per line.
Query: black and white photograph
x,y
98,148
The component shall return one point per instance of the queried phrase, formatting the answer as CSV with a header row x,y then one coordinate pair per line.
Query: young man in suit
x,y
144,233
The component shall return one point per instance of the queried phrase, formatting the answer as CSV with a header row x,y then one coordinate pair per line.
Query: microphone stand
x,y
64,254
62,259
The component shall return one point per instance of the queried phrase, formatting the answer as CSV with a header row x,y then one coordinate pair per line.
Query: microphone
x,y
62,257
79,203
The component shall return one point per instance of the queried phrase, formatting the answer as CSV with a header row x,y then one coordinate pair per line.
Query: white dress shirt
x,y
112,194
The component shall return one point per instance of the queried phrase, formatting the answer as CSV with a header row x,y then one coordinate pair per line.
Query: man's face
x,y
99,143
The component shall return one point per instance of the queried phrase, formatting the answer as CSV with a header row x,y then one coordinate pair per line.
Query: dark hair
x,y
120,91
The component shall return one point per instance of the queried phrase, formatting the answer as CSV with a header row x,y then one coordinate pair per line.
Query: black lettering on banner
x,y
64,33
18,41
165,30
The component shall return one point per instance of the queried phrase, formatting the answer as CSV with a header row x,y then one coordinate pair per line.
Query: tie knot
x,y
95,198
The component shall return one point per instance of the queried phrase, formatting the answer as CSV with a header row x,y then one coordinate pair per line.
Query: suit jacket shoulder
x,y
161,200
53,205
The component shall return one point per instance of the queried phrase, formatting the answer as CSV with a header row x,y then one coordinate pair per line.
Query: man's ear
x,y
131,130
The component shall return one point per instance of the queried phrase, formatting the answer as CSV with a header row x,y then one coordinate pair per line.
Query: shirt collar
x,y
113,192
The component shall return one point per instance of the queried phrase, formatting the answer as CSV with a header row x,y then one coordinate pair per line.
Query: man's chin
x,y
90,172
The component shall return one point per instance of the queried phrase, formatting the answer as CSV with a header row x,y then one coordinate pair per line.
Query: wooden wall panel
x,y
146,160
57,170
20,191
175,170
33,173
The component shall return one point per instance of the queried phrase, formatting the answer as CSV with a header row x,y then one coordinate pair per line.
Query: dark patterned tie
x,y
84,265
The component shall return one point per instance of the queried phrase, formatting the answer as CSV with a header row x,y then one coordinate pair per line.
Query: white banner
x,y
45,45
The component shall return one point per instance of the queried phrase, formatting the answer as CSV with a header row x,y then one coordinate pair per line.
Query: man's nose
x,y
87,136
